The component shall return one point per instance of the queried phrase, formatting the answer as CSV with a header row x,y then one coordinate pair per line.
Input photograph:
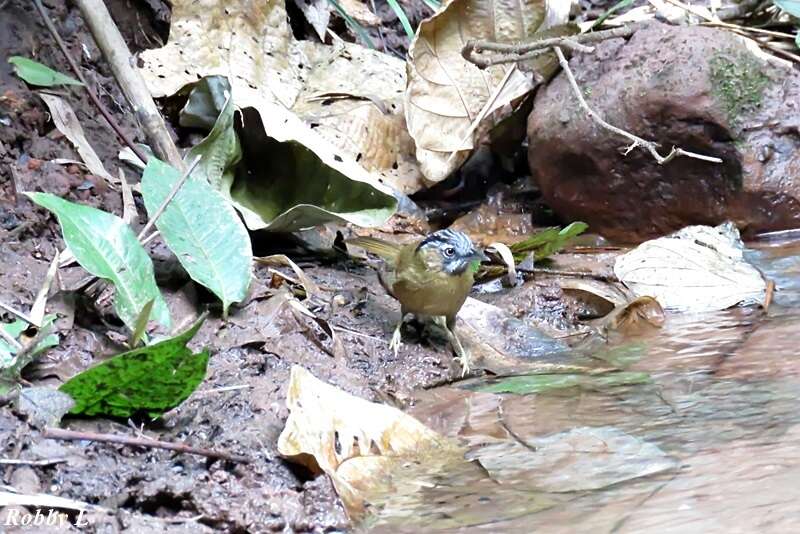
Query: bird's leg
x,y
462,355
395,343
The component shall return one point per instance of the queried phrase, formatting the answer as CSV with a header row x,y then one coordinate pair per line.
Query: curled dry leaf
x,y
502,250
696,269
446,94
67,123
636,315
359,444
252,44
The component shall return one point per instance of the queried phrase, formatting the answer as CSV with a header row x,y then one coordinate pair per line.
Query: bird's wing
x,y
384,249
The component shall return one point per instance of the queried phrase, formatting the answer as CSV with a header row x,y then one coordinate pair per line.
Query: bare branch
x,y
58,433
635,140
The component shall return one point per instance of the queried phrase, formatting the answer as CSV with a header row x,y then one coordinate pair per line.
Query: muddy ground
x,y
240,407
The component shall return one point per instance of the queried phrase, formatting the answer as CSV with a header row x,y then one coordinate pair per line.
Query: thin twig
x,y
52,461
635,140
520,52
17,313
170,196
59,433
92,94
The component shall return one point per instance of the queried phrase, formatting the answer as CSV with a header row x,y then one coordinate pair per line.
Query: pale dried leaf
x,y
317,13
360,12
312,289
252,45
445,93
698,268
67,123
355,442
369,127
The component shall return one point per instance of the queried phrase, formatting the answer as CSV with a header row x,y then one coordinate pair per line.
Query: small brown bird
x,y
429,277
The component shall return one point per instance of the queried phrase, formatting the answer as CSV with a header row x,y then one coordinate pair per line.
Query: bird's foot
x,y
464,361
395,343
462,354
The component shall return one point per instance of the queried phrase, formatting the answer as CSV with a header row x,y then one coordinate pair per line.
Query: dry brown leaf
x,y
640,313
67,123
360,12
251,44
370,126
446,94
359,444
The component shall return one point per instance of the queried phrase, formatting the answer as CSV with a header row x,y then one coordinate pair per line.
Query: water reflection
x,y
719,424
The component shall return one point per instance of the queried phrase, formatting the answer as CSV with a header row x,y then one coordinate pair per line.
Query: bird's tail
x,y
384,249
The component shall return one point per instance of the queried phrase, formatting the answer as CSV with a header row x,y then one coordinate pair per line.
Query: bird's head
x,y
450,251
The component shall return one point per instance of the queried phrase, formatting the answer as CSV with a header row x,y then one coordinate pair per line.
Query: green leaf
x,y
353,23
151,379
622,4
140,328
201,227
35,73
790,6
289,188
547,242
527,384
11,364
211,107
403,18
106,247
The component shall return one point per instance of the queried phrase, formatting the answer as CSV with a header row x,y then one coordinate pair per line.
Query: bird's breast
x,y
433,293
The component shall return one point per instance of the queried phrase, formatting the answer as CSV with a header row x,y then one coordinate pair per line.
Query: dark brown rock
x,y
698,88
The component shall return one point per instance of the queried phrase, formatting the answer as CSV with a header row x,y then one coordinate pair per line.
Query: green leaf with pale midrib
x,y
106,247
201,227
152,379
36,73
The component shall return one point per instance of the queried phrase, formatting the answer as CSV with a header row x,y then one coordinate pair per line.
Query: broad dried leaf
x,y
696,269
359,444
67,123
251,43
107,247
445,93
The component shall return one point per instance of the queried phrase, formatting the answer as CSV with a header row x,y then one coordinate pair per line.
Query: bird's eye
x,y
449,252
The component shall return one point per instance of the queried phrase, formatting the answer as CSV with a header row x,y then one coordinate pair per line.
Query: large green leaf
x,y
152,379
790,6
106,247
35,73
201,227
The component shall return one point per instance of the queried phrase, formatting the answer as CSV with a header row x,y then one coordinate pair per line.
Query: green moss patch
x,y
738,81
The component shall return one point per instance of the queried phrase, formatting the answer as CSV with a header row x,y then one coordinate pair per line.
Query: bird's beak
x,y
479,255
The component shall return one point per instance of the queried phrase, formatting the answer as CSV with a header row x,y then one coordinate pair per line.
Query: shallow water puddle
x,y
708,444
